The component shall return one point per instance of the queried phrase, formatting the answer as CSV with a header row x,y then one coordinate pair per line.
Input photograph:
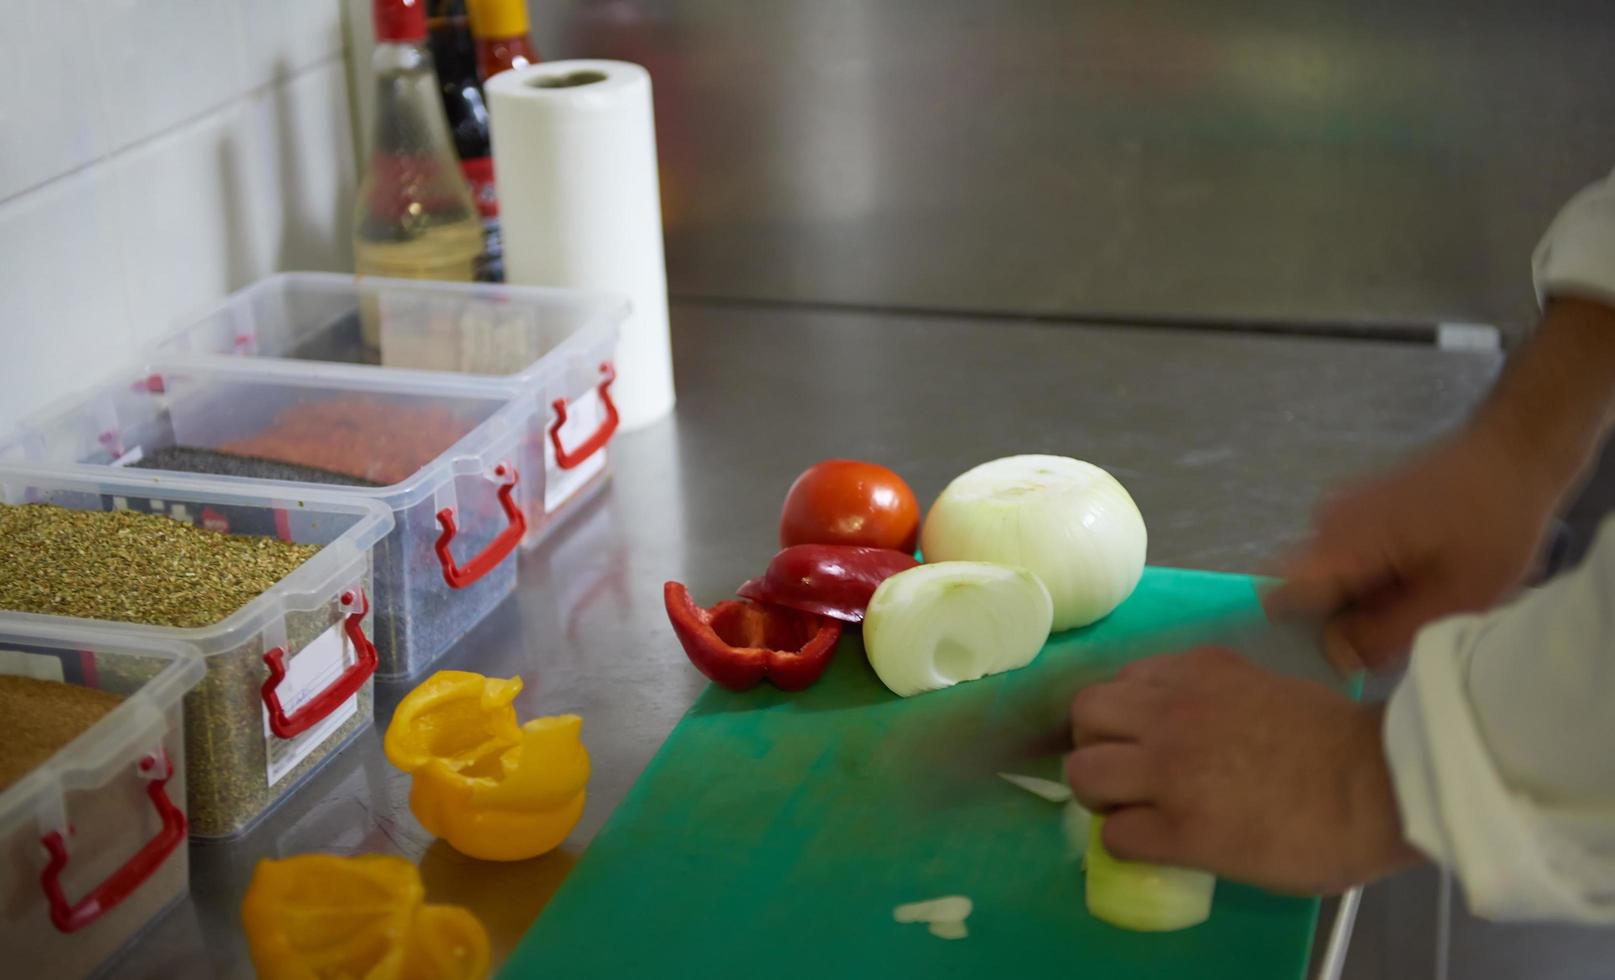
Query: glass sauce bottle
x,y
415,217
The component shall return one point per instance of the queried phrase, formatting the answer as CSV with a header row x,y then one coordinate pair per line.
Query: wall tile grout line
x,y
210,114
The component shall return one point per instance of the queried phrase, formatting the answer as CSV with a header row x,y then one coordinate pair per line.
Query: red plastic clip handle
x,y
497,550
327,701
70,917
588,447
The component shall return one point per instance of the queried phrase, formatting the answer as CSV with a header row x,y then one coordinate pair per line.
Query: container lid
x,y
502,334
400,20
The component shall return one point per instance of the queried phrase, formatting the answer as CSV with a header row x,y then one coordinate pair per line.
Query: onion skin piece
x,y
835,580
1143,897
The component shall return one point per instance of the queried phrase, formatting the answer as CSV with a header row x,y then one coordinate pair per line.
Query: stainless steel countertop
x,y
1224,440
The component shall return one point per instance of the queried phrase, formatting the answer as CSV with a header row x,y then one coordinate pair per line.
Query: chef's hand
x,y
1456,530
1204,760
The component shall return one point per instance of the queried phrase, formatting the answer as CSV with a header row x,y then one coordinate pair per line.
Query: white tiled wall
x,y
155,155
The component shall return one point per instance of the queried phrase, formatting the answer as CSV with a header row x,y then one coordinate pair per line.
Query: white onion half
x,y
937,625
1144,897
1068,522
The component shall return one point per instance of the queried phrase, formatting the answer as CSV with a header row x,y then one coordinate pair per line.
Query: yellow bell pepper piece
x,y
455,716
447,941
494,790
324,917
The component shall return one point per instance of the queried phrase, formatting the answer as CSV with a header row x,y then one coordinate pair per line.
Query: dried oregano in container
x,y
133,568
151,569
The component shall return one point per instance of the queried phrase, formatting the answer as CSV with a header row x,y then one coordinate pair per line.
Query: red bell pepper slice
x,y
834,580
738,643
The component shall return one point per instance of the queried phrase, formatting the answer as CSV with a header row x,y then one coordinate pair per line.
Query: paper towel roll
x,y
574,149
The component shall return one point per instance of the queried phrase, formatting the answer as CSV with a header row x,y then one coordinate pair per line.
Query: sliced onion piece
x,y
1144,897
1068,522
949,929
944,917
938,625
948,908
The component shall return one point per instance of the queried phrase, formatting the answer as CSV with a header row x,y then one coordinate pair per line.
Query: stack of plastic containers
x,y
440,453
254,732
555,344
418,468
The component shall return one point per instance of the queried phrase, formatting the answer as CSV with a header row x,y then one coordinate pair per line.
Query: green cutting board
x,y
773,833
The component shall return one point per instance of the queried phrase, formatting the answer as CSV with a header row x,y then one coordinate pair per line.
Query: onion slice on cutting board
x,y
939,625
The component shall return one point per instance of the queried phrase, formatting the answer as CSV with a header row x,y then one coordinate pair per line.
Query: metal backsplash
x,y
1321,160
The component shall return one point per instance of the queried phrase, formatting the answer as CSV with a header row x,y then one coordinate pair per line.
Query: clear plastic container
x,y
447,451
288,680
94,837
556,343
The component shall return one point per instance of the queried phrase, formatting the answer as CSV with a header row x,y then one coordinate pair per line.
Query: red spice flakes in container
x,y
373,439
557,344
444,454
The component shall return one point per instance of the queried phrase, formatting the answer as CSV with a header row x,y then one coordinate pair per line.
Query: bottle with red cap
x,y
454,56
415,217
501,28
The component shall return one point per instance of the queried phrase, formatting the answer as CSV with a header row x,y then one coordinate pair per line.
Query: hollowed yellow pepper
x,y
493,789
319,916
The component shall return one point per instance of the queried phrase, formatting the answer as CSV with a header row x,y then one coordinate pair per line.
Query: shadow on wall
x,y
241,261
308,239
304,236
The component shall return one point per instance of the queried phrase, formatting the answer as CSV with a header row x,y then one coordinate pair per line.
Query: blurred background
x,y
1306,164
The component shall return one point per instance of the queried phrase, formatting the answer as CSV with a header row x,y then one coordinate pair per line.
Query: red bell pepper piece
x,y
738,643
833,580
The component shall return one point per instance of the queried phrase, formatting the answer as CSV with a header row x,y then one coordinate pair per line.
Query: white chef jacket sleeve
x,y
1577,255
1501,738
1501,741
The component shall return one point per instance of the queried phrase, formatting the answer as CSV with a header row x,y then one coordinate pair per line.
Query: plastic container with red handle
x,y
557,344
447,456
236,763
94,837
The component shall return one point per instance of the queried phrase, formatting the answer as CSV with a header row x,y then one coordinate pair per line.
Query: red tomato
x,y
844,501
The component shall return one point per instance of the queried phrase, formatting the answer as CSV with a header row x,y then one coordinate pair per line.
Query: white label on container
x,y
130,458
40,666
583,417
313,669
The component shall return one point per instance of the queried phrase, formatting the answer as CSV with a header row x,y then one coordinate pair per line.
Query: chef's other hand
x,y
1203,760
1455,530
1458,528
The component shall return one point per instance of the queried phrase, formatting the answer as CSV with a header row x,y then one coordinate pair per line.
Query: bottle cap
x,y
400,20
498,18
